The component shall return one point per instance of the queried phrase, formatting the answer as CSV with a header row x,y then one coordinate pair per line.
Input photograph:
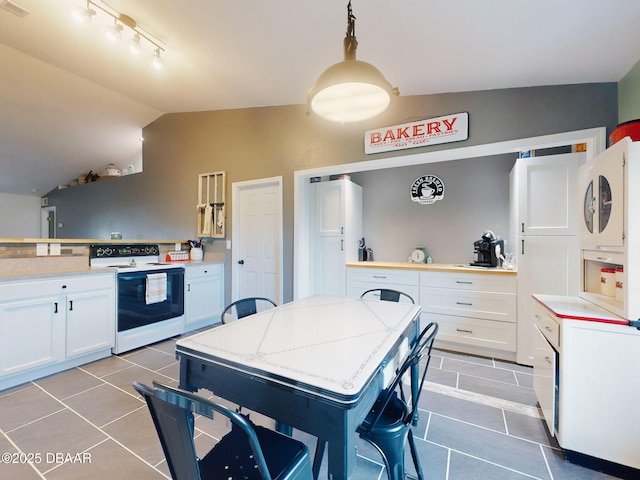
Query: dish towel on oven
x,y
156,290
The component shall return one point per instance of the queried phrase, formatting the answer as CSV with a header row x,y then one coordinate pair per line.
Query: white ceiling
x,y
71,102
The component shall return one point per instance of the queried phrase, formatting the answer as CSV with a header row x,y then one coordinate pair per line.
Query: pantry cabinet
x,y
336,229
55,324
203,295
544,236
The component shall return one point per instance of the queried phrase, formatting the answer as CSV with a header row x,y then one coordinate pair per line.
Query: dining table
x,y
316,364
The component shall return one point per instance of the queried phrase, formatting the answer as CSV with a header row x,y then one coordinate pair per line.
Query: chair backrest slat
x,y
388,294
245,307
172,413
421,348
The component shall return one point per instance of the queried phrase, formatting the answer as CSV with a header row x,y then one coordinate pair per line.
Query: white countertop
x,y
334,345
576,308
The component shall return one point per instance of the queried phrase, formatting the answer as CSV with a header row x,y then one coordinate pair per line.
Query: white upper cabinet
x,y
547,194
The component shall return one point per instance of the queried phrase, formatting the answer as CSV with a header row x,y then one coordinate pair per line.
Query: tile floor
x,y
479,420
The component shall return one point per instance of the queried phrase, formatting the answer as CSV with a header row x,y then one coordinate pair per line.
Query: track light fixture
x,y
351,90
114,32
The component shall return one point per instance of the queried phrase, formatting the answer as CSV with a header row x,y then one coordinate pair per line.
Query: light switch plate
x,y
42,249
54,249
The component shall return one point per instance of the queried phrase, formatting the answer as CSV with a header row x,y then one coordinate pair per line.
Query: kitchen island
x,y
474,306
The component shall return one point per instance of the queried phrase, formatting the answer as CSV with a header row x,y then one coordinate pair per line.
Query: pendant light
x,y
351,90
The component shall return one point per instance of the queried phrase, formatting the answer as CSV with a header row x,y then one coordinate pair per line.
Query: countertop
x,y
576,308
433,267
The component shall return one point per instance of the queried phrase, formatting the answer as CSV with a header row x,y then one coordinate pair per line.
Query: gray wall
x,y
475,199
263,142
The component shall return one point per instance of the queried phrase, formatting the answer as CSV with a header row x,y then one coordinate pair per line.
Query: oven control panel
x,y
116,251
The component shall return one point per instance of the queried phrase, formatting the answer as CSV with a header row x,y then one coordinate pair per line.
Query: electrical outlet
x,y
228,244
54,249
177,246
42,249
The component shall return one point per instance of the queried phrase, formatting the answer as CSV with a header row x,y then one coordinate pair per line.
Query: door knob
x,y
241,262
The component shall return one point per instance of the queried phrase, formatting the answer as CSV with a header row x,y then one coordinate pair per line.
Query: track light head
x,y
157,61
134,45
114,32
83,14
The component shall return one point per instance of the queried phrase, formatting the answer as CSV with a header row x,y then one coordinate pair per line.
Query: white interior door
x,y
257,237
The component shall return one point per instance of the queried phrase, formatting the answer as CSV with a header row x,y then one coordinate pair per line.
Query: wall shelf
x,y
212,194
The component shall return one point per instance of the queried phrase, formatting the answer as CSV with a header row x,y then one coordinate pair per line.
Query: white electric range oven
x,y
149,296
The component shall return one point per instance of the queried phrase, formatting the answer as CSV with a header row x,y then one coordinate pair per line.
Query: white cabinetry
x,y
336,229
476,311
593,381
204,295
544,235
90,315
359,280
51,325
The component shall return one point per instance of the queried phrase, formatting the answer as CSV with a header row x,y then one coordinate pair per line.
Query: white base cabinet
x,y
51,325
476,312
204,295
588,400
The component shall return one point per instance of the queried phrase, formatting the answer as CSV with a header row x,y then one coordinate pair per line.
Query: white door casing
x,y
595,139
257,222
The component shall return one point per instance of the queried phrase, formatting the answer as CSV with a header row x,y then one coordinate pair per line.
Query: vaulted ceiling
x,y
71,102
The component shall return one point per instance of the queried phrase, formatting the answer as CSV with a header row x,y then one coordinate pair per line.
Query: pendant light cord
x,y
350,42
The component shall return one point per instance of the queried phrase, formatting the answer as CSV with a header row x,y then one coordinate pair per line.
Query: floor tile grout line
x,y
546,462
527,440
59,465
18,427
482,460
19,450
82,417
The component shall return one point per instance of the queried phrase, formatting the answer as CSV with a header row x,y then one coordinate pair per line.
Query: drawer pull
x,y
548,329
379,276
463,330
464,282
465,303
548,360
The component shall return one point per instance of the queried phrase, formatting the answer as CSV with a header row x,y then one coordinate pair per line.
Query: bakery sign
x,y
446,129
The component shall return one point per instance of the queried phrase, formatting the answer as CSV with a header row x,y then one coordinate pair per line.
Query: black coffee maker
x,y
487,250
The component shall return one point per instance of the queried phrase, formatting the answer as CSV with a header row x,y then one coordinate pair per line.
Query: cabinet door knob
x,y
240,262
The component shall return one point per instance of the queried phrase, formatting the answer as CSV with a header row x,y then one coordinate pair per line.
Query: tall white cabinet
x,y
544,236
336,229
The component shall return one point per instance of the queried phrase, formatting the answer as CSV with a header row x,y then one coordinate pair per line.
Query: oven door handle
x,y
128,278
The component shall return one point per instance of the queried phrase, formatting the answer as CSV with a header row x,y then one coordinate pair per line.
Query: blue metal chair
x,y
388,424
245,307
246,452
387,294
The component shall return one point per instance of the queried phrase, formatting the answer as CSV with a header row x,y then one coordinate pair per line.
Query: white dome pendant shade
x,y
351,90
